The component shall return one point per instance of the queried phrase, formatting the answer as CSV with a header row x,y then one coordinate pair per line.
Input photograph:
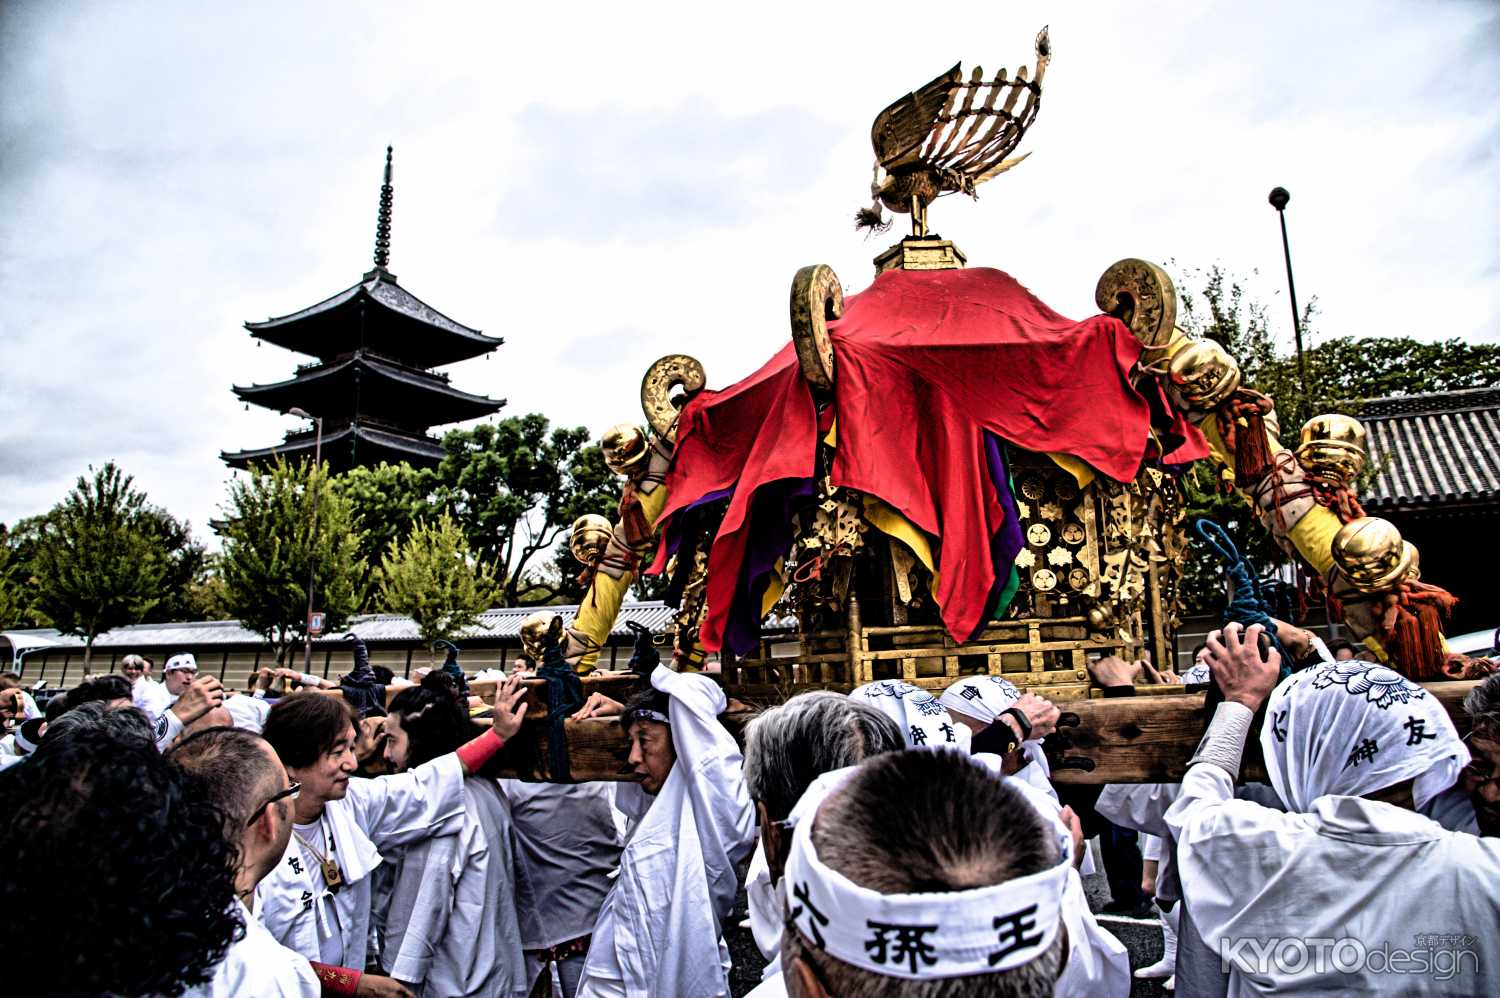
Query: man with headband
x,y
978,702
786,748
1353,889
922,873
660,930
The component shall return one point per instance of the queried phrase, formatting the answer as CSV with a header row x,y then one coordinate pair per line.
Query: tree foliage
x,y
512,487
433,578
271,548
100,558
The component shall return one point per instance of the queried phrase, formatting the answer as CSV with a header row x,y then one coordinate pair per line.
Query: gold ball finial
x,y
589,537
534,632
1333,446
1370,553
1203,374
625,448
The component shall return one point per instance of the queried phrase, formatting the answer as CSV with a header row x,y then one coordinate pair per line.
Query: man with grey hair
x,y
786,748
923,873
149,695
1480,779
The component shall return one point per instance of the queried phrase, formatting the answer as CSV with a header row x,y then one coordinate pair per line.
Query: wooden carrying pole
x,y
1141,739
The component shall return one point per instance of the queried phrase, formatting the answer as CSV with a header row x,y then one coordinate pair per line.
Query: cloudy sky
x,y
602,184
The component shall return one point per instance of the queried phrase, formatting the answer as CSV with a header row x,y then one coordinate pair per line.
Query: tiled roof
x,y
494,625
1435,450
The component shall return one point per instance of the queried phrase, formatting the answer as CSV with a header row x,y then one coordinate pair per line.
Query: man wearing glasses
x,y
1481,777
247,782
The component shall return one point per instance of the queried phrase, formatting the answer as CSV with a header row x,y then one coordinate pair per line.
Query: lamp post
x,y
1279,198
312,535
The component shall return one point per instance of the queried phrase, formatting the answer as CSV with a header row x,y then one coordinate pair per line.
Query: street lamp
x,y
1279,198
312,536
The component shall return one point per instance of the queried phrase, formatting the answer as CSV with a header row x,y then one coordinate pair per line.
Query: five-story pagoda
x,y
372,383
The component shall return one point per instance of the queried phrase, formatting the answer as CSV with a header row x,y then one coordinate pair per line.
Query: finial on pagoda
x,y
383,223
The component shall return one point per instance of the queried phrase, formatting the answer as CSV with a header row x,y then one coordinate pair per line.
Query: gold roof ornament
x,y
675,370
1370,553
589,537
948,137
1333,447
1141,295
1202,374
534,632
625,448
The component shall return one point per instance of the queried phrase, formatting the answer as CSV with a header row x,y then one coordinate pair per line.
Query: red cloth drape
x,y
924,363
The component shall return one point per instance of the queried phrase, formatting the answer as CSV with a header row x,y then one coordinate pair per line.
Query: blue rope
x,y
452,668
564,697
1248,606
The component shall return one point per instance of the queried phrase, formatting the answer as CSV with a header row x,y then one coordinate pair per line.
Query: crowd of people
x,y
167,837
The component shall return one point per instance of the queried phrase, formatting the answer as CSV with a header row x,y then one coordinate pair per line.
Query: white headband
x,y
648,714
983,698
183,661
984,930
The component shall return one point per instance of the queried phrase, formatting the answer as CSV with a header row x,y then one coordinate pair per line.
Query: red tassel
x,y
633,518
1416,634
1250,444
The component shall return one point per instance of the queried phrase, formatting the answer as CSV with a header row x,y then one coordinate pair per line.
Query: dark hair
x,y
56,704
383,675
111,687
432,717
234,766
1193,658
304,727
125,724
644,700
114,835
9,680
1342,644
920,822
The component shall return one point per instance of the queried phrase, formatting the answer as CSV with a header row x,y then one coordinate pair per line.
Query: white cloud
x,y
602,184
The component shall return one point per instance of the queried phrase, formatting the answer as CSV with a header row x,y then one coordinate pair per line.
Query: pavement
x,y
1141,936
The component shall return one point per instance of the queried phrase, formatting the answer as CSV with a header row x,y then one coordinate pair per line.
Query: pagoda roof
x,y
365,384
379,314
348,446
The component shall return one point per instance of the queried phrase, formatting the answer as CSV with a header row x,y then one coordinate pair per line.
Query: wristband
x,y
1224,742
308,679
336,980
1021,721
259,694
480,750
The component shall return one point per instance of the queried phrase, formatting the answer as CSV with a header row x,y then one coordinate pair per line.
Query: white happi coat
x,y
258,965
659,931
451,928
1097,964
1348,868
375,814
151,697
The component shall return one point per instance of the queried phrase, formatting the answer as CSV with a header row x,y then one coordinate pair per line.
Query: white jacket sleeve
x,y
711,761
425,801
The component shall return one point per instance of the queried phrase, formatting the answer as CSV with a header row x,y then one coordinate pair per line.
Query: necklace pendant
x,y
333,877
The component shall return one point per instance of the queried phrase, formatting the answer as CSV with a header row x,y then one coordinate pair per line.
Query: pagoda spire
x,y
383,223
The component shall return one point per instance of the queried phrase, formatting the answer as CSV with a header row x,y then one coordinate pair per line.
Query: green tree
x,y
14,598
271,549
187,565
388,501
99,560
433,578
515,487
